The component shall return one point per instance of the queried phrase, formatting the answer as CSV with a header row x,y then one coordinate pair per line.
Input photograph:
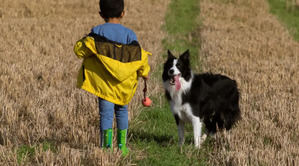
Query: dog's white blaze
x,y
174,68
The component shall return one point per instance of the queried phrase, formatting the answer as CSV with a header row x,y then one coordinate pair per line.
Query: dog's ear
x,y
185,56
170,55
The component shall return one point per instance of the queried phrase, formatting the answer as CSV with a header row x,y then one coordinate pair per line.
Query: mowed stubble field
x,y
40,105
39,102
242,39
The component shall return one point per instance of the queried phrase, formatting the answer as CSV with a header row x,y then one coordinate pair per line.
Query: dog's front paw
x,y
201,140
203,137
181,142
197,146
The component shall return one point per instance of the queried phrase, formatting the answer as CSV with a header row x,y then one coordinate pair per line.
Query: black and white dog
x,y
209,98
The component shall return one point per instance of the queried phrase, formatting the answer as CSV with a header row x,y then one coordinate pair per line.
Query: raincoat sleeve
x,y
143,71
85,47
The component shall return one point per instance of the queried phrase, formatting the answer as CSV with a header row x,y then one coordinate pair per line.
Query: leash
x,y
145,89
146,101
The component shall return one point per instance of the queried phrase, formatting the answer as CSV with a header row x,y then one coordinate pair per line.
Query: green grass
x,y
154,132
181,16
27,152
24,152
182,26
290,17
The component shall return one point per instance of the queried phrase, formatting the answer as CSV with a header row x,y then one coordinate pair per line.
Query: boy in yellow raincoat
x,y
112,62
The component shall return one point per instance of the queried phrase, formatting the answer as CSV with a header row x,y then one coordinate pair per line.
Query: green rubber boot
x,y
122,141
107,139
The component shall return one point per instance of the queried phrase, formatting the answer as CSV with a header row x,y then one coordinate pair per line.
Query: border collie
x,y
209,98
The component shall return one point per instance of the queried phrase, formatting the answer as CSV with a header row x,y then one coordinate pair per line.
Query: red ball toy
x,y
146,102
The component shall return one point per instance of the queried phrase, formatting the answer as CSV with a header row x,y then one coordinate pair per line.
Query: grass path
x,y
154,132
287,15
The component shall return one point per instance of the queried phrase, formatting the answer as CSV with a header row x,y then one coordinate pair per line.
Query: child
x,y
112,62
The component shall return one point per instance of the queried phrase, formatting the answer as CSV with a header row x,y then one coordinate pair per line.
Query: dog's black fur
x,y
214,98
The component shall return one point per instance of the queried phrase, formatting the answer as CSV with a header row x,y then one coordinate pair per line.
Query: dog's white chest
x,y
184,111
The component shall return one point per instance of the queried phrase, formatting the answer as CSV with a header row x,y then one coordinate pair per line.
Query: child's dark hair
x,y
111,8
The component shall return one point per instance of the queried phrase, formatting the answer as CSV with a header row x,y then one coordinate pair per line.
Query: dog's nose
x,y
171,71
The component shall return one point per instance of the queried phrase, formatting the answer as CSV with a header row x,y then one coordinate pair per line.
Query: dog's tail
x,y
232,114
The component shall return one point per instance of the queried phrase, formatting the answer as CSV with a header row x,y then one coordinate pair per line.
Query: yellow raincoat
x,y
110,70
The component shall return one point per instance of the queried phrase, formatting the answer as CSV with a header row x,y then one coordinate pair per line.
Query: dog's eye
x,y
178,65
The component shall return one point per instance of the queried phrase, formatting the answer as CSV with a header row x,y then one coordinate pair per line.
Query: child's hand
x,y
145,78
